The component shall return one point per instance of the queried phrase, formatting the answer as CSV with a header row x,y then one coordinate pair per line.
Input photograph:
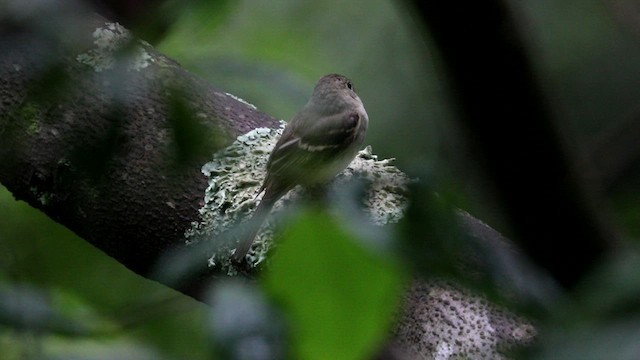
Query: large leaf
x,y
340,297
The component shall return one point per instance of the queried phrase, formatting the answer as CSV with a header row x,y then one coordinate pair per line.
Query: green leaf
x,y
340,297
27,308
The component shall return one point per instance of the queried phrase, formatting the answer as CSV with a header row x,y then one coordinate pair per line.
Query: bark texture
x,y
107,136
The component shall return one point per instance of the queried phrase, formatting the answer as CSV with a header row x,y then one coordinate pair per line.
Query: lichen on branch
x,y
236,174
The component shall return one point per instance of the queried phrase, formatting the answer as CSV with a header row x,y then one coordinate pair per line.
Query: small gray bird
x,y
318,143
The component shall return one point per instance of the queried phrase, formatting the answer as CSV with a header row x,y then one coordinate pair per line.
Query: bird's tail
x,y
253,225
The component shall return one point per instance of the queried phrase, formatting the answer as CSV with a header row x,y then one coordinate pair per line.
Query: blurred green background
x,y
587,54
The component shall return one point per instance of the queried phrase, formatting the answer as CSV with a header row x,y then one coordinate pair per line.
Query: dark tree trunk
x,y
538,179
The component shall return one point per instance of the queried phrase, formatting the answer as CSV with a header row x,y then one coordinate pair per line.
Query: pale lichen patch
x,y
236,174
386,199
109,40
242,101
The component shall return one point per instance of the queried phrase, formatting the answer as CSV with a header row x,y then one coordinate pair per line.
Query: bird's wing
x,y
332,133
305,144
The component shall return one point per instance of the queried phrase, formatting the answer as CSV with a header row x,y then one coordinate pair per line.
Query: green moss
x,y
30,113
34,127
43,197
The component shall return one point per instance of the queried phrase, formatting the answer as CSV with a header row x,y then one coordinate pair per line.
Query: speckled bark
x,y
100,150
442,321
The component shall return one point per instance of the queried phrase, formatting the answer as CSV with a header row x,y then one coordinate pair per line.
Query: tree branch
x,y
107,136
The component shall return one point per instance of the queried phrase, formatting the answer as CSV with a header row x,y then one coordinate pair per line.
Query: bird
x,y
319,142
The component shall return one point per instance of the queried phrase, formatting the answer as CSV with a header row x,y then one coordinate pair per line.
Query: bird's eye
x,y
349,85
